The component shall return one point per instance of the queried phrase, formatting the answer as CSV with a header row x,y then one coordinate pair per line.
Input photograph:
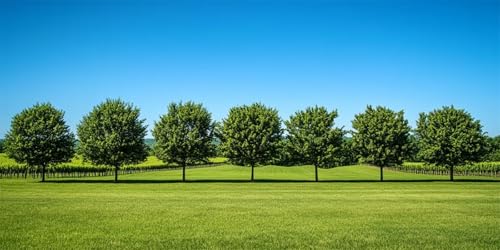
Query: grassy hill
x,y
220,209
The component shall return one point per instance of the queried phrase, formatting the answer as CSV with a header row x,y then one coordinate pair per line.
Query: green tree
x,y
413,150
348,154
40,137
184,135
381,137
450,137
112,134
314,138
493,149
1,145
283,155
250,134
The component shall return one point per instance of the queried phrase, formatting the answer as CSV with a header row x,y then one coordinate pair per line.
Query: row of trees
x,y
113,134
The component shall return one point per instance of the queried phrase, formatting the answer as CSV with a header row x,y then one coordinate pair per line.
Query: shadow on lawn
x,y
248,181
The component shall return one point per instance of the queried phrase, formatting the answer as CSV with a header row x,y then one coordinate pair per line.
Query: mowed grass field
x,y
218,208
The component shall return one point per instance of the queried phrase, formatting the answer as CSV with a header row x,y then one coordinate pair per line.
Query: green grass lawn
x,y
219,209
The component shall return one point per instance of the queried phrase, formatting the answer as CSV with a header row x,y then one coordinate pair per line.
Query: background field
x,y
78,168
219,208
78,161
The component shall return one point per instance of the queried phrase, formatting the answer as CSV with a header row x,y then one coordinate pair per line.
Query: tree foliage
x,y
113,134
381,136
283,155
184,135
450,137
313,137
412,153
348,154
40,137
250,134
493,149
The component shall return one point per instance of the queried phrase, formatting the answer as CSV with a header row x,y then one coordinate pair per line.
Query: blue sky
x,y
411,55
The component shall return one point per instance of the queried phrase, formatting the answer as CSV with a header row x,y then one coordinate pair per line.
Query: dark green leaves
x,y
450,137
39,136
381,136
250,134
493,149
313,137
185,134
113,134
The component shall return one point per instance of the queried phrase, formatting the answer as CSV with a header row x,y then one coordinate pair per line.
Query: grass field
x,y
218,208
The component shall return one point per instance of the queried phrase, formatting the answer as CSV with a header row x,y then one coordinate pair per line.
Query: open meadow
x,y
283,208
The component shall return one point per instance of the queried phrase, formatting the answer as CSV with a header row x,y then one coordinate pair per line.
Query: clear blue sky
x,y
286,54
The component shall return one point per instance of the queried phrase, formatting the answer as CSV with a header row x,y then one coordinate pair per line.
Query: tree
x,y
250,134
184,135
348,154
493,149
1,145
40,137
381,137
412,150
450,137
112,134
283,155
313,137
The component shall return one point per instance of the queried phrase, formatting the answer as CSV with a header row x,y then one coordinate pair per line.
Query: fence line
x,y
456,172
65,171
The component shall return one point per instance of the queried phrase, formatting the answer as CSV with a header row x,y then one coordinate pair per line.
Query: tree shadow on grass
x,y
255,181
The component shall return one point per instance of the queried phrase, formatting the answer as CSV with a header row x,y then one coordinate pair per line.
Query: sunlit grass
x,y
219,208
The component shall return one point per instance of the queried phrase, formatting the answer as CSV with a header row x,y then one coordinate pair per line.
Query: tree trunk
x,y
116,174
184,172
252,173
381,173
316,171
43,173
451,173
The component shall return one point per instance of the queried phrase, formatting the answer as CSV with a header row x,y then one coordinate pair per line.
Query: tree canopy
x,y
250,134
450,137
113,134
40,137
493,150
184,135
313,137
381,136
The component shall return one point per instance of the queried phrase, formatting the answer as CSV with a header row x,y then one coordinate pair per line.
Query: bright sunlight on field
x,y
219,208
